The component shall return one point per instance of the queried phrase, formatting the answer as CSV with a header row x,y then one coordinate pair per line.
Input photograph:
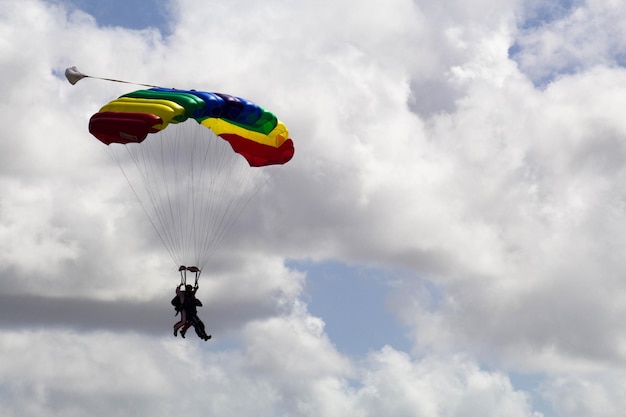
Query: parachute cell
x,y
123,127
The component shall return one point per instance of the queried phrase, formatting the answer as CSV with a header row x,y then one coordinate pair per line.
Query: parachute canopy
x,y
252,131
190,183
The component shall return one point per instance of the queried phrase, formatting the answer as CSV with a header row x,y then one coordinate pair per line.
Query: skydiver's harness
x,y
183,282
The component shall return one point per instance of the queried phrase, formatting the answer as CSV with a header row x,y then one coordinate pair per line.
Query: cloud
x,y
436,386
577,395
112,371
421,146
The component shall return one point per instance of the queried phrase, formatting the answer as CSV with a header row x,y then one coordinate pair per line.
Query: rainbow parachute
x,y
189,182
252,131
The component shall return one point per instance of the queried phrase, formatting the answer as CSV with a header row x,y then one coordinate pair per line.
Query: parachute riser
x,y
183,274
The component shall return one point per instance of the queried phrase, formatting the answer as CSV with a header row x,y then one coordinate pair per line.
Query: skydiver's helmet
x,y
188,288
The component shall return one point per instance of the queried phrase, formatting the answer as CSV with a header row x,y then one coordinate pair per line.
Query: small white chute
x,y
73,75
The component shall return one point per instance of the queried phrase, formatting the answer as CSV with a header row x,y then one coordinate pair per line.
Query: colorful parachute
x,y
253,132
189,182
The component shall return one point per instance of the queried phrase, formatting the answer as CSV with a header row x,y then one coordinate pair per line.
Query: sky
x,y
446,242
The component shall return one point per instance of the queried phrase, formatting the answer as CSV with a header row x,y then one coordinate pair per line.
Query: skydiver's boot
x,y
184,329
204,336
177,327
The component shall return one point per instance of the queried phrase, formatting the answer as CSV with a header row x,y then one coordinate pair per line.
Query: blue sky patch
x,y
351,300
132,14
536,17
542,13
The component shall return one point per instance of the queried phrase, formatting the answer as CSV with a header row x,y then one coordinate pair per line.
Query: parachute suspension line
x,y
241,183
183,275
159,192
201,162
195,204
168,173
193,190
116,157
241,206
221,185
192,187
234,208
198,272
155,189
165,176
229,190
174,180
200,187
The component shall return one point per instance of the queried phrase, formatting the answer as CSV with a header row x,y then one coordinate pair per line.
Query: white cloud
x,y
586,394
419,146
542,222
288,367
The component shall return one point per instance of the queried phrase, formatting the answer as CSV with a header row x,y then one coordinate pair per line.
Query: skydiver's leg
x,y
181,323
194,322
185,328
201,330
198,326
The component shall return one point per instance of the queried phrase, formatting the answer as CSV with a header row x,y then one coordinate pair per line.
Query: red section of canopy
x,y
121,127
258,154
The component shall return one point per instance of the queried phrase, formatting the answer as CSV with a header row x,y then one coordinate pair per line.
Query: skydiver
x,y
190,311
178,302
